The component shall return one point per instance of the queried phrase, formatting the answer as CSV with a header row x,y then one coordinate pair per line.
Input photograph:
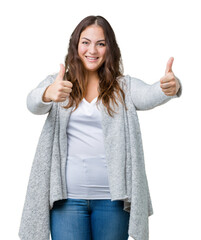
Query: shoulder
x,y
132,82
127,80
123,79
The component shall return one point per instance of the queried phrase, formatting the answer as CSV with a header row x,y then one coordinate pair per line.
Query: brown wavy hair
x,y
108,73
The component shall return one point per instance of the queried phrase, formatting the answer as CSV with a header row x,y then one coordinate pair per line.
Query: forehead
x,y
93,32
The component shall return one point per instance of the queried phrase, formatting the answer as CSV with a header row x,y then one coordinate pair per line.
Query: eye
x,y
102,44
84,42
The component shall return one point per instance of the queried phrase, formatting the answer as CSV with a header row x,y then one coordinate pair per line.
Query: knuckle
x,y
68,84
170,74
60,88
61,84
59,95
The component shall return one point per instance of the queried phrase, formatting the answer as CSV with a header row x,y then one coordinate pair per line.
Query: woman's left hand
x,y
169,83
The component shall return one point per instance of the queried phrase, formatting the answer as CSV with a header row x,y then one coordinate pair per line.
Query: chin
x,y
92,69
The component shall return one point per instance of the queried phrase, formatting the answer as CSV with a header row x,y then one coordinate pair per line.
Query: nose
x,y
92,49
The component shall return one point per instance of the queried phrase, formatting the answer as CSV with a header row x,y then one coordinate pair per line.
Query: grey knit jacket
x,y
124,155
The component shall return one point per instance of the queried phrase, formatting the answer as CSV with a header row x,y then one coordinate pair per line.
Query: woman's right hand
x,y
59,90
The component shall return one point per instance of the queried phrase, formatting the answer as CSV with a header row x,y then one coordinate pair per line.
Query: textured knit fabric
x,y
124,155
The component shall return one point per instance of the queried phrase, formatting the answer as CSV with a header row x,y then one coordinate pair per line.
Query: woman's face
x,y
92,47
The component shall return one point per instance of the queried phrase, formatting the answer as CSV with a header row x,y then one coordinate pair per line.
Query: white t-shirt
x,y
86,167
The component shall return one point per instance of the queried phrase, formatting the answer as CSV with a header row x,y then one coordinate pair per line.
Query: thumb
x,y
61,72
169,65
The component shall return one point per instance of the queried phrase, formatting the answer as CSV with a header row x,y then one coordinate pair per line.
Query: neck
x,y
92,76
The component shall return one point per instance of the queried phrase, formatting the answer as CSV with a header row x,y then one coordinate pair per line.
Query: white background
x,y
34,40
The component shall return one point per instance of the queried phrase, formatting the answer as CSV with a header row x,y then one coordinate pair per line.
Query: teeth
x,y
92,58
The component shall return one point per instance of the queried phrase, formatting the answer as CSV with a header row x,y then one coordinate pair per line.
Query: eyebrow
x,y
90,40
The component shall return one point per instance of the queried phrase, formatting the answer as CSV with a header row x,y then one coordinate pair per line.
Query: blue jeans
x,y
97,219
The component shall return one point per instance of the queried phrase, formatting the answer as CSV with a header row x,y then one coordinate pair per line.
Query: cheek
x,y
81,50
103,53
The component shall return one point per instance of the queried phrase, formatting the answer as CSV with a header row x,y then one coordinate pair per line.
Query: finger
x,y
61,72
64,95
67,90
169,65
167,78
169,94
166,85
167,91
68,84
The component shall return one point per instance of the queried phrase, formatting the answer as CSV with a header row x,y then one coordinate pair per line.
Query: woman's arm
x,y
146,96
35,103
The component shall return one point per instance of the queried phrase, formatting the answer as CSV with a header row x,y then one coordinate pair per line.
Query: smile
x,y
92,59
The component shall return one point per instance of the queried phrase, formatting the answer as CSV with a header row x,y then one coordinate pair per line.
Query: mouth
x,y
92,59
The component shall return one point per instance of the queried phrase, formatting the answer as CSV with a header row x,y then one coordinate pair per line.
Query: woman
x,y
88,178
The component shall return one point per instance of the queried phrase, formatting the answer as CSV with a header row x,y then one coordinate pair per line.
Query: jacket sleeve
x,y
147,96
34,101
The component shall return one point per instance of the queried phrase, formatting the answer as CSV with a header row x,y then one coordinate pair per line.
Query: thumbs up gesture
x,y
169,83
59,90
